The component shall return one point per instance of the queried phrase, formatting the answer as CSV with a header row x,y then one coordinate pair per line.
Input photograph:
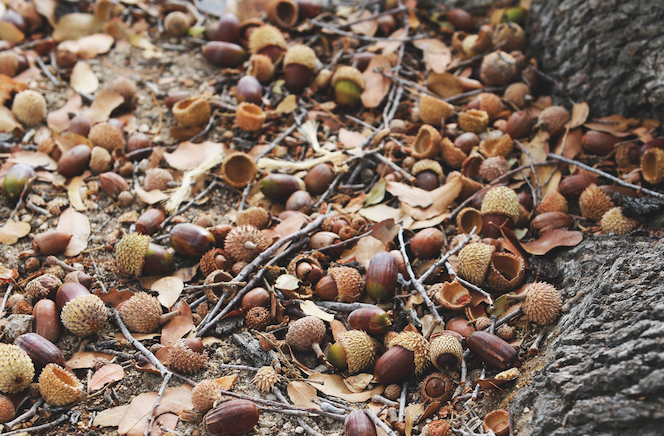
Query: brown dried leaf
x,y
78,226
310,308
152,197
552,239
106,374
290,225
437,55
411,195
168,420
227,382
364,250
412,415
189,155
110,417
358,383
570,145
179,326
301,394
59,119
390,46
616,125
539,150
35,159
287,105
350,139
75,26
85,359
89,46
376,85
174,400
513,244
337,327
381,212
444,85
442,196
580,113
9,33
7,120
83,79
169,289
384,231
113,297
104,103
334,385
12,231
368,28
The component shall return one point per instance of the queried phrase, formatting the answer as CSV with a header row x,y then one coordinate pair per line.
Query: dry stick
x,y
374,16
402,400
362,37
207,128
418,285
342,307
407,82
27,415
394,166
280,396
101,283
340,244
140,347
376,420
245,193
443,259
21,198
54,261
48,74
607,175
214,285
467,284
186,207
533,192
329,190
534,349
4,299
33,207
55,423
148,426
281,137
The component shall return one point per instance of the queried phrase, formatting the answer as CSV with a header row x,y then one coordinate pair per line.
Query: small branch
x,y
245,194
376,420
328,191
55,423
281,137
27,415
4,299
148,426
402,400
374,16
48,74
205,131
534,349
362,37
395,167
33,207
342,307
447,255
340,244
382,400
186,207
53,261
214,285
140,347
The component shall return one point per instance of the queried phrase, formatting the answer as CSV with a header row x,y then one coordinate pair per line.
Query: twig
x,y
281,137
534,349
186,207
147,353
164,383
207,128
101,282
280,396
417,284
607,175
394,166
382,400
4,299
447,255
329,190
532,169
402,400
407,82
53,261
245,193
340,244
27,415
161,113
507,318
48,74
21,199
214,285
240,367
33,207
362,37
55,423
342,307
467,284
374,16
376,420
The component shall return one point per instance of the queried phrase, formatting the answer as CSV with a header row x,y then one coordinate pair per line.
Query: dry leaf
x,y
416,197
539,150
337,328
310,308
59,119
227,382
287,105
290,225
106,374
570,145
364,250
334,385
580,113
113,297
552,239
35,159
189,155
513,244
7,120
358,382
376,85
368,28
444,85
174,400
412,414
437,55
390,46
350,139
83,79
10,33
301,394
616,125
104,103
381,212
89,46
12,231
385,230
169,289
85,359
75,26
110,417
168,420
179,326
78,226
152,197
442,196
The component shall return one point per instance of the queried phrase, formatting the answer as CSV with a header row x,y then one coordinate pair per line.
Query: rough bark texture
x,y
607,52
604,370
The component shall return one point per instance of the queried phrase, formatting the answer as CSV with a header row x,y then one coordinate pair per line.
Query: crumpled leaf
x,y
301,394
364,250
570,145
381,212
89,46
376,194
376,85
113,297
436,54
442,196
287,282
34,159
59,119
169,289
358,382
539,150
412,415
444,85
179,326
390,46
83,79
553,239
76,25
78,226
310,308
12,231
110,417
334,385
85,359
368,28
412,195
174,400
106,374
189,155
350,139
227,382
616,125
580,113
104,103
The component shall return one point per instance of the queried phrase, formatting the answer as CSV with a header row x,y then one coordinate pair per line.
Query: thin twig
x,y
402,400
245,193
281,137
140,347
362,37
328,191
394,166
374,16
55,423
27,415
376,420
48,74
447,255
4,299
33,207
207,128
53,261
148,426
532,169
186,207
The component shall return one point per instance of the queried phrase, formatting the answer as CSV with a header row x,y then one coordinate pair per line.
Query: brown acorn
x,y
498,68
7,410
342,283
191,240
134,255
267,40
149,221
552,119
81,312
500,206
232,417
51,242
306,334
257,297
107,136
47,319
437,387
374,320
409,353
278,187
74,161
446,352
229,28
357,423
427,243
319,178
299,67
306,267
18,178
572,186
112,184
520,124
381,277
300,201
43,286
490,349
41,350
354,350
224,54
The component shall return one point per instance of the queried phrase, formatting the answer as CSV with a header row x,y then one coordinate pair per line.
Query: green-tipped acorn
x,y
372,320
382,276
354,350
278,187
19,174
348,85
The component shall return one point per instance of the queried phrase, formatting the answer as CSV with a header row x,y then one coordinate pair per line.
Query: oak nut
x,y
348,85
433,110
191,240
51,242
409,353
232,417
249,89
7,410
74,161
257,297
490,349
319,179
41,350
498,68
354,350
224,54
427,243
342,283
278,187
47,319
357,423
381,276
228,29
177,23
112,184
500,207
306,334
572,186
300,201
446,352
428,174
553,119
306,267
613,221
437,387
373,320
299,68
16,369
148,222
267,40
135,255
80,125
81,312
16,179
187,356
261,67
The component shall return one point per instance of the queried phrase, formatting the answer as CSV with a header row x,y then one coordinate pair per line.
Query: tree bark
x,y
608,53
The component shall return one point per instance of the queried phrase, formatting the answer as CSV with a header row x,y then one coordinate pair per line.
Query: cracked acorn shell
x,y
474,260
474,120
185,359
427,143
355,350
594,202
282,13
437,387
408,353
498,68
453,296
59,387
244,243
433,110
84,315
16,369
204,395
215,277
542,303
446,352
506,271
613,221
500,146
261,67
141,313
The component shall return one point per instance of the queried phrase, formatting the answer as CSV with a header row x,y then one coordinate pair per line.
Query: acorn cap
x,y
41,287
192,111
349,283
208,260
309,258
244,243
457,239
554,201
215,277
302,55
204,395
482,323
265,378
439,427
613,221
249,117
16,369
652,165
427,143
468,218
157,178
452,156
141,313
360,350
552,119
491,104
265,36
176,23
185,360
261,67
106,136
433,110
238,169
445,345
594,202
542,304
8,66
29,107
130,253
473,120
254,216
506,271
266,341
452,295
443,384
493,167
474,262
257,318
59,387
502,201
506,333
7,410
100,160
85,315
348,73
509,37
498,68
416,343
305,332
516,93
126,87
500,146
427,164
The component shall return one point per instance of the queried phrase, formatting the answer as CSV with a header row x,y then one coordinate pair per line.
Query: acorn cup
x,y
15,181
541,302
409,354
307,268
191,240
446,352
267,40
238,170
341,284
249,117
135,255
427,143
224,54
354,350
373,320
381,276
306,334
357,423
490,349
232,417
41,350
500,207
278,187
282,13
348,85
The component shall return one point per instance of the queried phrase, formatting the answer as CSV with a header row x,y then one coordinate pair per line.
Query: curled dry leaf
x,y
358,383
350,139
570,145
334,385
179,326
287,105
9,33
83,79
174,400
364,250
189,155
169,289
113,297
552,239
106,374
153,197
74,193
376,85
104,103
78,226
301,394
110,417
89,46
85,359
227,382
414,196
59,119
12,231
380,212
437,55
35,159
7,120
337,327
310,308
368,27
443,197
377,193
580,113
444,85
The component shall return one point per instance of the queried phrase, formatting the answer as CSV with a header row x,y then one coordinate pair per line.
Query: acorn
x,y
148,222
460,19
267,40
187,356
437,387
51,242
261,67
428,174
506,271
16,369
257,297
81,312
594,203
599,143
100,160
348,85
427,143
373,320
497,146
244,243
392,392
265,379
142,313
497,422
498,68
300,201
409,353
323,79
433,110
427,243
157,178
229,28
517,93
47,319
446,352
466,142
74,161
29,107
192,111
473,120
613,221
354,350
112,184
41,350
652,166
224,54
306,334
282,13
319,178
138,141
490,349
278,187
342,283
42,287
506,332
232,417
9,63
176,23
59,387
249,117
191,240
16,179
500,207
7,410
249,90
307,268
509,37
107,136
381,277
552,119
335,223
357,423
541,302
253,216
572,186
134,254
214,259
125,87
474,260
257,318
325,239
299,67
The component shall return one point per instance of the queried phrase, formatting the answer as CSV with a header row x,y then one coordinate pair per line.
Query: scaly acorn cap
x,y
652,166
301,55
36,289
491,104
16,369
427,164
468,218
433,110
445,345
261,67
509,37
59,387
254,216
349,283
257,318
7,410
157,178
452,156
249,117
360,350
473,120
204,395
613,221
351,74
309,258
506,332
185,360
208,260
552,119
506,271
141,313
594,202
29,107
516,93
8,64
416,343
493,167
106,136
85,315
502,201
305,332
458,239
130,253
265,378
498,68
244,243
554,201
497,146
265,36
542,304
192,111
474,260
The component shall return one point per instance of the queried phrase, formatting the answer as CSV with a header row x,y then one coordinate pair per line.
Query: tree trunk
x,y
606,52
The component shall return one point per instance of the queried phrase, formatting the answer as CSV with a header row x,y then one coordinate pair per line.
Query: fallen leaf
x,y
290,225
7,274
104,103
385,231
12,231
368,28
106,374
310,308
10,33
334,385
189,155
287,105
443,197
35,159
538,148
436,54
83,79
153,197
179,326
89,46
444,85
376,85
364,250
381,212
580,113
616,125
110,417
227,382
85,359
7,120
337,328
78,226
168,420
174,400
169,289
138,336
390,46
513,244
358,382
350,139
113,297
570,145
552,239
75,26
416,197
301,394
412,414
376,194
59,119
